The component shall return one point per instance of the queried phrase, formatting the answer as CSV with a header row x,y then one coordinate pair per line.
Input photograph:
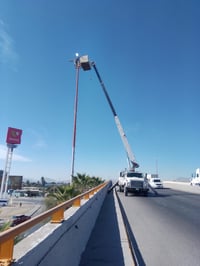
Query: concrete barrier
x,y
61,244
183,186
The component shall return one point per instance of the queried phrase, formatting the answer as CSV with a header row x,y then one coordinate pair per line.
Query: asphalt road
x,y
164,228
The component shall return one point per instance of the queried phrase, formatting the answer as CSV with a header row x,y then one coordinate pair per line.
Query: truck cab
x,y
134,182
195,181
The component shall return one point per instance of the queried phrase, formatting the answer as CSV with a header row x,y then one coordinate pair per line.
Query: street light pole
x,y
77,66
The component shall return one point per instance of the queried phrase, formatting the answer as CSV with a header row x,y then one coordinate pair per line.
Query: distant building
x,y
14,181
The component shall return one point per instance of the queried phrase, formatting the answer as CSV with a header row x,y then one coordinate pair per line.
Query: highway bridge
x,y
107,228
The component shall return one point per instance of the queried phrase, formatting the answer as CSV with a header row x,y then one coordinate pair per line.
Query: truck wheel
x,y
125,192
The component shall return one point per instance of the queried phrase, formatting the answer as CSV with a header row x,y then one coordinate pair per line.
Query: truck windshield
x,y
140,175
157,180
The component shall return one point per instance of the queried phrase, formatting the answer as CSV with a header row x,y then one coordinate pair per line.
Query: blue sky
x,y
148,55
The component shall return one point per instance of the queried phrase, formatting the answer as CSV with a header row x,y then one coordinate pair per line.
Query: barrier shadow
x,y
139,261
104,244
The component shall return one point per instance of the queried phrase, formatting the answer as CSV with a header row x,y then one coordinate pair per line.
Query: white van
x,y
156,183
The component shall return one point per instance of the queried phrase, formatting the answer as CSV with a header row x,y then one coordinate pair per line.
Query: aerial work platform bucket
x,y
85,63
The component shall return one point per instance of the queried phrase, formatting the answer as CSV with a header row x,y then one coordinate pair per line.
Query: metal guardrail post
x,y
91,193
6,252
77,202
86,196
58,216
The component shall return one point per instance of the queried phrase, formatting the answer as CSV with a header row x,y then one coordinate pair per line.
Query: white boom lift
x,y
86,65
129,180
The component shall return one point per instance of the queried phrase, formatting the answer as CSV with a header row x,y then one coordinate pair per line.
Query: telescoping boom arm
x,y
86,65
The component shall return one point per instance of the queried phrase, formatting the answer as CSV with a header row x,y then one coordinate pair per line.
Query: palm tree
x,y
84,182
95,181
80,184
4,226
63,193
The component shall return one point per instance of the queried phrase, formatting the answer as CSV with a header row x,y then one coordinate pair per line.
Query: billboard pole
x,y
13,138
8,165
6,173
3,179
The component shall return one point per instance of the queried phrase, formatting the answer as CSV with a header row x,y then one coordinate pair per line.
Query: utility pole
x,y
77,66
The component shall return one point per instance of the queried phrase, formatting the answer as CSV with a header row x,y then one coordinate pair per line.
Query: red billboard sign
x,y
14,136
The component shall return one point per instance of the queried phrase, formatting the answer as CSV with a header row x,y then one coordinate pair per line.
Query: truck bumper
x,y
143,191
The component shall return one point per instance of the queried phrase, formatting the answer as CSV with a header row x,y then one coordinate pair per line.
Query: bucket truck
x,y
129,180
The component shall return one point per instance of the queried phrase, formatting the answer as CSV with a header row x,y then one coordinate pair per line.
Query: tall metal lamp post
x,y
77,66
79,62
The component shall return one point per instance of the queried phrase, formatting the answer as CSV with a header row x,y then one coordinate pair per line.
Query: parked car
x,y
3,202
18,219
156,183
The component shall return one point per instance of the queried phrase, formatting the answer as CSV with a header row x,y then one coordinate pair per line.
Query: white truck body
x,y
134,182
195,181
